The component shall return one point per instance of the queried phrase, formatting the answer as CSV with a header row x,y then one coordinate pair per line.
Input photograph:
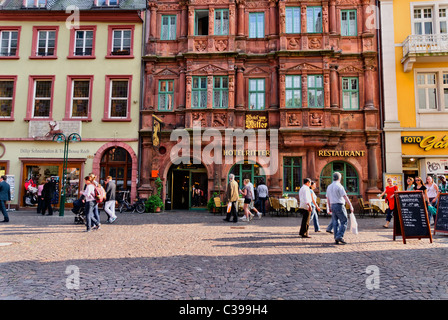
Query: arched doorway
x,y
350,178
117,163
182,182
248,170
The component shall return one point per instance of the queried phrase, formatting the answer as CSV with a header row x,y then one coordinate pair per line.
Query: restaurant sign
x,y
426,143
341,153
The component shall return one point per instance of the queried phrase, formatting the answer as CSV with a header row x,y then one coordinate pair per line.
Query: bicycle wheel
x,y
140,208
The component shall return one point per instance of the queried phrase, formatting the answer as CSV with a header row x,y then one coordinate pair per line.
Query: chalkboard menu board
x,y
412,215
441,224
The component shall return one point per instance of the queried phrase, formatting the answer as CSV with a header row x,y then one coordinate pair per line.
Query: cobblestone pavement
x,y
196,255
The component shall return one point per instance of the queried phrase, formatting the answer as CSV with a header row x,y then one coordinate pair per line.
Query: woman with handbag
x,y
390,200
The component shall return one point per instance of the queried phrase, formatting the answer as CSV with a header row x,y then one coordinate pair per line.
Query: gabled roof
x,y
61,5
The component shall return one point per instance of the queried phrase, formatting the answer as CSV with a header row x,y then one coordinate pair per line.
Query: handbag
x,y
353,224
431,210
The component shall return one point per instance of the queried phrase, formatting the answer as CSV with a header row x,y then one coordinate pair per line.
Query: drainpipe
x,y
380,87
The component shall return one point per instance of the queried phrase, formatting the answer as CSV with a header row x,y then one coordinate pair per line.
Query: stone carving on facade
x,y
294,44
219,120
200,45
294,120
199,119
304,66
314,43
350,69
221,45
316,119
209,69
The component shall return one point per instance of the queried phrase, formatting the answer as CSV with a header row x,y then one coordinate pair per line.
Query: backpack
x,y
100,194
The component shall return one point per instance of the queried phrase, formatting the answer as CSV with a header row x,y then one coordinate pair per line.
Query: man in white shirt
x,y
305,207
336,199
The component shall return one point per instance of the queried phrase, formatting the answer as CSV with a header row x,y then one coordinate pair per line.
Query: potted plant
x,y
211,203
154,202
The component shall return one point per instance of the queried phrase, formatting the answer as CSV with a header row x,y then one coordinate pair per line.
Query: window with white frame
x,y
432,91
445,89
430,19
83,42
6,98
107,2
8,43
36,3
119,98
42,95
121,42
46,43
443,20
80,98
423,19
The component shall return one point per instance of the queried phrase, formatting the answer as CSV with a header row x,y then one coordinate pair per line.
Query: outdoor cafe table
x,y
380,203
289,203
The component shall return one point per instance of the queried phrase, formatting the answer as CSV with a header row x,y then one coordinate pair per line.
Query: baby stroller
x,y
79,211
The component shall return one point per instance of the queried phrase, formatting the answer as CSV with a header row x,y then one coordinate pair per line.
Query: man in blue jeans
x,y
336,199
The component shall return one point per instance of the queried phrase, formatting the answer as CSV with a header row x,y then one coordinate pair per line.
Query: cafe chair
x,y
365,208
276,206
219,205
376,211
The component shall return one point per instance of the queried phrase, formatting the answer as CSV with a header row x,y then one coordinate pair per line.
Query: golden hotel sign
x,y
426,143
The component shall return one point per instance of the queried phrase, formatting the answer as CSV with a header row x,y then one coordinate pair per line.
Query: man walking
x,y
5,195
232,197
305,207
47,195
336,199
109,205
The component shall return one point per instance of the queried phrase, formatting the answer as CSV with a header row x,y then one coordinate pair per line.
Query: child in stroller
x,y
78,210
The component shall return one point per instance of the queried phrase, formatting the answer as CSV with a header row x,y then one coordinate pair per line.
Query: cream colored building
x,y
70,70
415,86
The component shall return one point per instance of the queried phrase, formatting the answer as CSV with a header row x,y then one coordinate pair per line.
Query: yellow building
x,y
415,86
70,70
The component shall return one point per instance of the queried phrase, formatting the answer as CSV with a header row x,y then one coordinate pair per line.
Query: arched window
x,y
349,180
117,163
248,170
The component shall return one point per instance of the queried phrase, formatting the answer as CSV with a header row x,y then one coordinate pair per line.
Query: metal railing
x,y
425,44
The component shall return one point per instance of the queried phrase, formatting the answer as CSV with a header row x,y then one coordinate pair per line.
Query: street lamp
x,y
60,137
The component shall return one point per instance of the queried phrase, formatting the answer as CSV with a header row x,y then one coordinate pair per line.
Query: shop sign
x,y
341,153
256,121
426,143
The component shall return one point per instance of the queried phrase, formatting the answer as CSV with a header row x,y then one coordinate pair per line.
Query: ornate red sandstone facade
x,y
278,54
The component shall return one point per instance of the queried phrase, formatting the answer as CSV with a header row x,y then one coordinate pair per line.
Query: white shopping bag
x,y
353,224
229,207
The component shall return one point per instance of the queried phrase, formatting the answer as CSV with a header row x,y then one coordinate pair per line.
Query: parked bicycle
x,y
124,205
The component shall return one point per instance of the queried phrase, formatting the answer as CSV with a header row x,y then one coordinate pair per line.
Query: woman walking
x,y
390,200
315,208
247,194
89,197
433,192
411,184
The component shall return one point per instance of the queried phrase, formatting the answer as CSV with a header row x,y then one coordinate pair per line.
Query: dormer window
x,y
107,3
35,3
